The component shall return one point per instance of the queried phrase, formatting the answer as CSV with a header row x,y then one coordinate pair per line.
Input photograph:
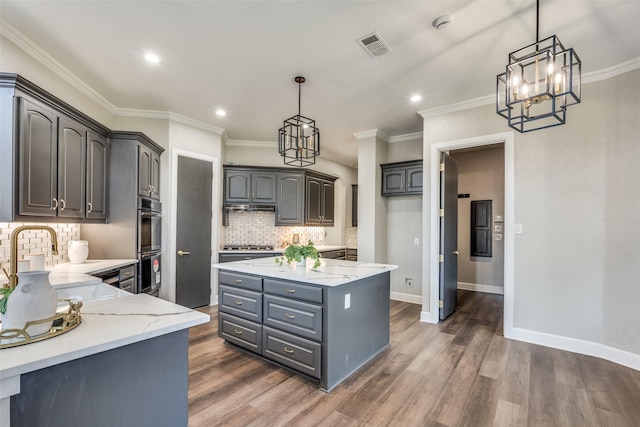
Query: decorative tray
x,y
63,321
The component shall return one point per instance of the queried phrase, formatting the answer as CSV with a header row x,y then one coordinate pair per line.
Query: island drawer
x,y
240,332
240,280
297,353
293,290
242,303
297,317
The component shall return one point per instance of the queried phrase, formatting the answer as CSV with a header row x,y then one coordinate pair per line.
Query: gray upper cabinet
x,y
97,175
290,199
38,155
148,172
72,163
319,208
402,178
244,186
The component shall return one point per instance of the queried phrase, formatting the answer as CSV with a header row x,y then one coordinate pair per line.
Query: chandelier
x,y
540,81
299,138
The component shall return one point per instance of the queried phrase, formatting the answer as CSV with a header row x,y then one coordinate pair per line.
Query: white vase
x,y
33,299
78,251
302,262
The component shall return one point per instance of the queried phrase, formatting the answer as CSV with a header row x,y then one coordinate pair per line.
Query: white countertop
x,y
67,274
277,250
332,272
106,324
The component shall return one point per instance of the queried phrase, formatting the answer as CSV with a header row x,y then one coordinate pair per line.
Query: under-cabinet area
x,y
286,315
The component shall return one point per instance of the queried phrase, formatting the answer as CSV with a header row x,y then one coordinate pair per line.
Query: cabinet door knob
x,y
89,207
55,204
61,205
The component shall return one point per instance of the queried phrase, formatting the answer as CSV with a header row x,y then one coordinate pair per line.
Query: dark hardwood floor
x,y
461,372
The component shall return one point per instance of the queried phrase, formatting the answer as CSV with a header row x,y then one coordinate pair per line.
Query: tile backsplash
x,y
258,228
36,242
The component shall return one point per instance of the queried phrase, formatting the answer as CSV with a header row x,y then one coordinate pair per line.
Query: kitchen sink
x,y
93,292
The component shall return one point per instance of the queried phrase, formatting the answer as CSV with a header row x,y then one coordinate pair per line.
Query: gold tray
x,y
62,322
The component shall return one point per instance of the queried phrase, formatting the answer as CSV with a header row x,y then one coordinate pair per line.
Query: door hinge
x,y
441,167
440,258
440,303
441,212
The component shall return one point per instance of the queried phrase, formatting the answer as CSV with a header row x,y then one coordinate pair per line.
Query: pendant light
x,y
299,138
539,83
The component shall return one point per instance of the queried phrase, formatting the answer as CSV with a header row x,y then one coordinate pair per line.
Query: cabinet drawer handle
x,y
55,204
289,316
286,350
237,331
61,205
89,207
238,302
238,280
291,291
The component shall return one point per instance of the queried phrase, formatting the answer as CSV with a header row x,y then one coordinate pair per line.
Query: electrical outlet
x,y
408,282
416,241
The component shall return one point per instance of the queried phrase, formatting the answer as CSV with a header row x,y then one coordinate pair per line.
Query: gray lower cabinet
x,y
245,256
323,332
335,254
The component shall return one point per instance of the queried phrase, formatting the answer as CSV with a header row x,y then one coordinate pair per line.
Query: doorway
x,y
506,138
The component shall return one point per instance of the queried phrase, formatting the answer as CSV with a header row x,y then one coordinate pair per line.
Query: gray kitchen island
x,y
323,323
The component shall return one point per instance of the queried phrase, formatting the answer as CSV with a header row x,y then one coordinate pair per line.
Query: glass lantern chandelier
x,y
540,81
299,138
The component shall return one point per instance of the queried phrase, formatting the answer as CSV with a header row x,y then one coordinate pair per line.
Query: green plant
x,y
297,252
4,296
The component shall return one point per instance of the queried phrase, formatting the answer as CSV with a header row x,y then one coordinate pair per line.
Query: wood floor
x,y
461,372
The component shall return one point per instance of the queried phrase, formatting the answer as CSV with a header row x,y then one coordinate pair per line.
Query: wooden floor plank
x,y
460,372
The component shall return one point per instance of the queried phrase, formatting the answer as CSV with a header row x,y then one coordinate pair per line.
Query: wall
x,y
577,275
481,175
404,225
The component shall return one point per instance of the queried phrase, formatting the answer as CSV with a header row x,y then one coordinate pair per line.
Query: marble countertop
x,y
67,274
277,250
106,324
332,272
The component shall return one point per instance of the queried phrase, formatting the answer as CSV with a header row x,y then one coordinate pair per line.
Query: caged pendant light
x,y
539,83
299,138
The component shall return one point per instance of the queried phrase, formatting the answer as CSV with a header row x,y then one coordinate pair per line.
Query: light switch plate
x,y
416,241
347,301
498,236
517,228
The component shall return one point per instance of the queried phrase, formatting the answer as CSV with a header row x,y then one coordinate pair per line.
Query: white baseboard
x,y
477,287
574,345
399,296
427,317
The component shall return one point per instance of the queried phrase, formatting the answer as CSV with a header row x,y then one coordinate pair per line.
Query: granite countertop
x,y
106,324
332,272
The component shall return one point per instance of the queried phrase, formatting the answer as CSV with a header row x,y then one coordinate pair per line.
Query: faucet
x,y
13,257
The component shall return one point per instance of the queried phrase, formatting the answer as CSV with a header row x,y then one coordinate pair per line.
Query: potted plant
x,y
300,253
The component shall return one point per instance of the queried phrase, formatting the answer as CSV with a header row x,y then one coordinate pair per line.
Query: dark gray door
x,y
448,235
193,232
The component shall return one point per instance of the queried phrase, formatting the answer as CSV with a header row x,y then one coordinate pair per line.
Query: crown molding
x,y
616,70
168,115
406,137
377,133
28,46
249,143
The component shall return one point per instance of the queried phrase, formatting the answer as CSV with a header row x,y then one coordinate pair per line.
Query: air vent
x,y
374,45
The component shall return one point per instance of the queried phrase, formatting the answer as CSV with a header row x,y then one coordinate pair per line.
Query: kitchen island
x,y
323,323
125,364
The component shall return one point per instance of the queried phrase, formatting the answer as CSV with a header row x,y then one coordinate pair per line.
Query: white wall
x,y
577,274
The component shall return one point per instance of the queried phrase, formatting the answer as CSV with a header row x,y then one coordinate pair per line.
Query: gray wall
x,y
577,268
481,175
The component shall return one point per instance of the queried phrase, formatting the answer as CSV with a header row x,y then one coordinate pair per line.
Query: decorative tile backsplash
x,y
258,228
351,237
37,242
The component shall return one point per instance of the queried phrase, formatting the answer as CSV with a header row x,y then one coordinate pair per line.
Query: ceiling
x,y
242,56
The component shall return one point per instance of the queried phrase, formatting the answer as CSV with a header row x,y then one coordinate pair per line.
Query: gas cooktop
x,y
234,247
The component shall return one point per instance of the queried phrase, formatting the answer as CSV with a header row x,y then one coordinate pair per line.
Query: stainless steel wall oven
x,y
149,245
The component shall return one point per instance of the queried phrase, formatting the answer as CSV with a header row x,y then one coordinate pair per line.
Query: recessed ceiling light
x,y
220,112
415,98
151,57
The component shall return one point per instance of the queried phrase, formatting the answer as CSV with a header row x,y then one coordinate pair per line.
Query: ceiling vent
x,y
374,45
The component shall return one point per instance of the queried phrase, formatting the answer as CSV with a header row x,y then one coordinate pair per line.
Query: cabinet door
x,y
38,154
328,188
313,196
414,179
290,197
154,176
97,175
144,171
263,188
354,205
72,158
393,181
237,186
